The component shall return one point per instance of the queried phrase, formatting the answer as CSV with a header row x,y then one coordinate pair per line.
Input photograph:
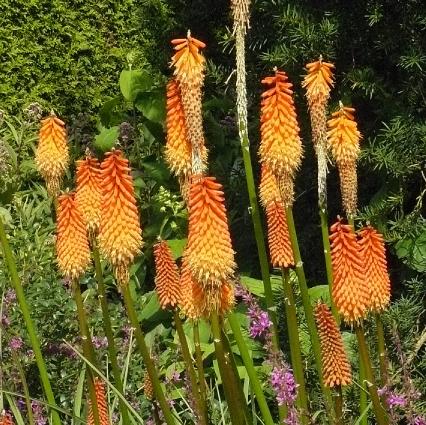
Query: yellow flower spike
x,y
335,365
101,403
167,279
193,301
209,251
280,249
72,245
89,192
376,270
343,139
318,82
268,187
120,233
189,67
52,155
350,290
280,147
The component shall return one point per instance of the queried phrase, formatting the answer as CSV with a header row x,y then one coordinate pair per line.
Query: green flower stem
x,y
362,393
112,350
32,332
88,349
309,314
381,417
200,365
338,406
236,409
201,412
381,347
327,257
248,363
143,349
295,351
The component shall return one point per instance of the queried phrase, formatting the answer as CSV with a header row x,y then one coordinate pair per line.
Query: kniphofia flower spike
x,y
101,403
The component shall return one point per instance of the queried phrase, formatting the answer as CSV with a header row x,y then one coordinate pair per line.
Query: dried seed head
x,y
349,188
268,187
209,252
120,234
335,365
241,14
101,403
278,236
167,279
280,147
52,156
89,193
350,289
72,245
376,270
6,419
148,388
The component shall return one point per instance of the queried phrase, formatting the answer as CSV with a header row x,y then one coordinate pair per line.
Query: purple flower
x,y
16,343
10,297
394,400
39,417
259,322
284,385
420,420
100,342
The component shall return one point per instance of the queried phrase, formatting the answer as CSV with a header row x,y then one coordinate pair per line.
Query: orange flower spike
x,y
280,249
319,81
72,245
52,155
101,403
280,147
167,279
268,187
6,419
376,270
209,252
335,364
120,233
343,138
350,289
89,192
189,63
193,299
227,298
178,147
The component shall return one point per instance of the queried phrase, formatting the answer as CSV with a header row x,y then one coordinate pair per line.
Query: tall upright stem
x,y
245,147
248,363
201,412
381,348
32,332
309,314
143,349
363,402
108,331
236,409
295,351
200,365
327,258
379,412
338,406
88,350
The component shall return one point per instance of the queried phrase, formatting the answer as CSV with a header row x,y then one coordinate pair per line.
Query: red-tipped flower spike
x,y
120,234
72,245
89,192
278,236
335,365
52,156
376,270
6,419
209,251
350,289
101,403
343,138
280,147
167,280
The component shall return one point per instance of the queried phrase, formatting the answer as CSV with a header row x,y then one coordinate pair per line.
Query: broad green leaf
x,y
107,115
5,216
320,292
106,139
177,246
152,105
134,81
